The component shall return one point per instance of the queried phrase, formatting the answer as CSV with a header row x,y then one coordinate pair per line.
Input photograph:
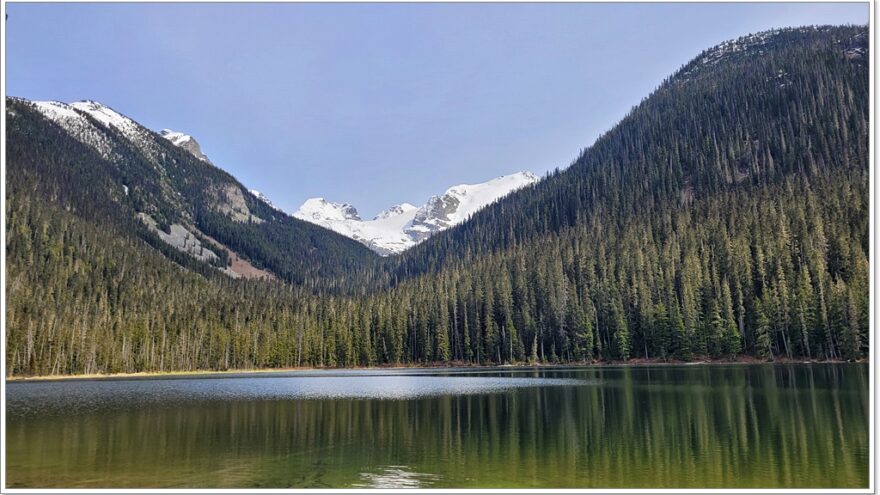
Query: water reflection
x,y
60,397
396,477
733,426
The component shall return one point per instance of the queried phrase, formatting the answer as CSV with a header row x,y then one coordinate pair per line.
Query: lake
x,y
760,426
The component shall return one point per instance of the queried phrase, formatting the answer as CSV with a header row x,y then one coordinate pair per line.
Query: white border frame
x,y
871,256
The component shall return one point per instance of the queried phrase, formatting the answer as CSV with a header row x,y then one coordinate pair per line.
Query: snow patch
x,y
106,115
56,110
89,122
78,126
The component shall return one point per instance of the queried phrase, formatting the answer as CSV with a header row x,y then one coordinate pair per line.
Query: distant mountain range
x,y
404,225
399,227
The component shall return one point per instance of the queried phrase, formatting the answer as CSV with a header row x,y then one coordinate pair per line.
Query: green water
x,y
765,426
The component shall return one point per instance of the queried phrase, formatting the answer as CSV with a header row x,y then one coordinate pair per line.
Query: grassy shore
x,y
462,364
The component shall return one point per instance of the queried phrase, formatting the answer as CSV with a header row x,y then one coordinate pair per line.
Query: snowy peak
x,y
404,225
505,182
96,125
177,138
459,202
184,141
384,235
85,120
89,123
395,211
487,192
319,209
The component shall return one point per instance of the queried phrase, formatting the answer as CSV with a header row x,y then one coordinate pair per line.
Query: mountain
x,y
318,209
384,234
184,141
161,187
402,226
739,186
718,136
727,214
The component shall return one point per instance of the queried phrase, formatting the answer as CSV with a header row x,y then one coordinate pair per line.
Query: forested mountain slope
x,y
726,214
752,111
106,168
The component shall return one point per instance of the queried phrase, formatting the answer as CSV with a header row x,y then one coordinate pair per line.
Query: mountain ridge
x,y
403,225
170,187
392,231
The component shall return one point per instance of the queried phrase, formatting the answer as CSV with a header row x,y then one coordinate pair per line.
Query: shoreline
x,y
743,360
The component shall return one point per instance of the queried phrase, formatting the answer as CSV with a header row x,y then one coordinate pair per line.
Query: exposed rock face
x,y
394,211
316,210
434,216
181,239
229,200
186,142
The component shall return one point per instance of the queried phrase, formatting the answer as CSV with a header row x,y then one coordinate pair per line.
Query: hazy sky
x,y
375,104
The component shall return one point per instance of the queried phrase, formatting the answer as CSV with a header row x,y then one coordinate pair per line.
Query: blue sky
x,y
375,104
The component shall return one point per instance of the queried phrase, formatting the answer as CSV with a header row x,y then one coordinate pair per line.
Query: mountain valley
x,y
725,215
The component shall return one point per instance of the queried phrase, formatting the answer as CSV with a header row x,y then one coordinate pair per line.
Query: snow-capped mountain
x,y
319,209
461,201
383,234
79,119
162,200
391,231
184,141
404,225
395,211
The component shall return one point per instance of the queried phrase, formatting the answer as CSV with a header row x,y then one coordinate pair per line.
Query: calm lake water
x,y
760,426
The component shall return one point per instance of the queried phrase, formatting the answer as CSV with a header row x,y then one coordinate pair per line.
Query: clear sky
x,y
375,104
